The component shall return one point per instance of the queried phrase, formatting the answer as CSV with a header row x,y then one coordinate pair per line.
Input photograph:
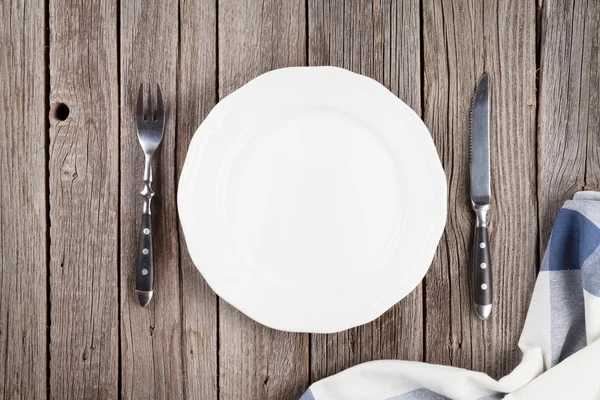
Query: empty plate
x,y
312,199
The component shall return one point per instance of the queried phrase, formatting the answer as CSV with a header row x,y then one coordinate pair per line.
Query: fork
x,y
150,127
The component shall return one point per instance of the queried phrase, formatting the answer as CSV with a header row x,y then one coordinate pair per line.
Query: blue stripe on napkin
x,y
574,238
307,395
420,394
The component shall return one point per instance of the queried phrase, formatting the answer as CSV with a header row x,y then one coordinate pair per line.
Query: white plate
x,y
312,199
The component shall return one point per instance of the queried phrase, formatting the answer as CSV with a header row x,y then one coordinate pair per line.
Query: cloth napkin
x,y
560,340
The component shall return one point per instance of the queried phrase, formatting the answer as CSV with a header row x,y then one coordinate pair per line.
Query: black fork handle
x,y
144,268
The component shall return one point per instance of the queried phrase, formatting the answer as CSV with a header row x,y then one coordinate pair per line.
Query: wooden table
x,y
70,170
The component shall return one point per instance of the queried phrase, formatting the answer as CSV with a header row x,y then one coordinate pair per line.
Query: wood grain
x,y
380,39
257,362
590,94
461,40
151,337
196,95
84,176
74,207
569,118
23,227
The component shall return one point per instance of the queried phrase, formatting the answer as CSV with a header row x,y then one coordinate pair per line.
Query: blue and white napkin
x,y
560,340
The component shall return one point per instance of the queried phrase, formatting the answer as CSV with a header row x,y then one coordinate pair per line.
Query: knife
x,y
480,198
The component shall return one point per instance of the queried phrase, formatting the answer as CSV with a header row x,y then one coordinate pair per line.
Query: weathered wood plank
x,y
84,184
151,337
196,95
257,362
453,61
568,118
509,29
590,112
380,39
461,40
23,228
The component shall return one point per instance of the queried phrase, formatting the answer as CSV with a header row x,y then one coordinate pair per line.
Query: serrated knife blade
x,y
480,144
481,197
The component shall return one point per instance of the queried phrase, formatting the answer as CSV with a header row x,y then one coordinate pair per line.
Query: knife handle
x,y
482,269
144,267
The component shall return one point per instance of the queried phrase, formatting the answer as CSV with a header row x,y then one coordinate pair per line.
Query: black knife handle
x,y
144,266
482,271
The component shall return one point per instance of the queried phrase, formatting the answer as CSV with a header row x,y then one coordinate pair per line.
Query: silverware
x,y
480,197
150,128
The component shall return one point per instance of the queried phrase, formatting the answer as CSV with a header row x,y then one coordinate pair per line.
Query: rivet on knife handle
x,y
482,268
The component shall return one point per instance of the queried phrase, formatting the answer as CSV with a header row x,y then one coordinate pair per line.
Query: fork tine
x,y
150,110
160,111
139,111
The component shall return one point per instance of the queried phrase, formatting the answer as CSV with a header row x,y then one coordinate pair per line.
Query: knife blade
x,y
481,198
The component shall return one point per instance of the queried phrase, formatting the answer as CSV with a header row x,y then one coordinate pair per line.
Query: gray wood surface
x,y
380,40
568,116
23,211
509,29
460,42
70,325
151,337
196,96
83,166
254,361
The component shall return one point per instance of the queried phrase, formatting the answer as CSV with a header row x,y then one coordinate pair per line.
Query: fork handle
x,y
144,269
